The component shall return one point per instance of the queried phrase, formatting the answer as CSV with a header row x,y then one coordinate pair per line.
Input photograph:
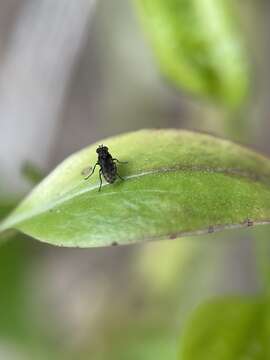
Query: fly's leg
x,y
100,178
120,162
120,177
92,172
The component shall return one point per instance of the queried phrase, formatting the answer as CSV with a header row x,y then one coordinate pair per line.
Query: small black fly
x,y
107,165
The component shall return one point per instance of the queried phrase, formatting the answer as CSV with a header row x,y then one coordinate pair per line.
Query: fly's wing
x,y
86,171
112,167
110,171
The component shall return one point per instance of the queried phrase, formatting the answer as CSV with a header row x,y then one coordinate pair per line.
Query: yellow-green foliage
x,y
176,183
198,47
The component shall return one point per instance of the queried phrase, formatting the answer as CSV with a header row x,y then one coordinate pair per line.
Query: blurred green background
x,y
72,73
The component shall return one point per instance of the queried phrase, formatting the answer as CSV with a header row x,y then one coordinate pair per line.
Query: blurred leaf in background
x,y
198,47
21,334
32,173
227,329
144,317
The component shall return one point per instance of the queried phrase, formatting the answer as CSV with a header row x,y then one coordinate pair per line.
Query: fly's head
x,y
102,151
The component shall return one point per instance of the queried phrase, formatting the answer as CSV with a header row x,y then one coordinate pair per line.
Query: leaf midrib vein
x,y
64,198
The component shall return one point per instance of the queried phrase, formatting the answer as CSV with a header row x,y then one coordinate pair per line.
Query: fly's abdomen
x,y
109,171
109,177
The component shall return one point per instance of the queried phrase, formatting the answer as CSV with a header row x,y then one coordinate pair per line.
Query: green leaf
x,y
176,183
198,47
227,329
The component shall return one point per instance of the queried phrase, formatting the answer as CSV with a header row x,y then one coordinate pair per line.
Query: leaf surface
x,y
176,183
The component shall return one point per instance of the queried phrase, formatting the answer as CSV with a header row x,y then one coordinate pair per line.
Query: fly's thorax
x,y
104,158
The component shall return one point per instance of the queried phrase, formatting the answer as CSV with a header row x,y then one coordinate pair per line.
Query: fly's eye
x,y
101,149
